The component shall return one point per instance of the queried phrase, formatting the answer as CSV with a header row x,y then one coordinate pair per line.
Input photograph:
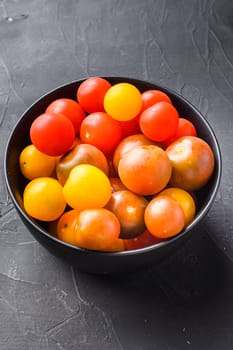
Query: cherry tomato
x,y
160,121
47,131
91,92
34,163
130,127
43,199
192,162
150,97
123,101
185,199
100,130
145,239
129,209
145,170
164,217
80,154
97,229
127,144
185,128
70,108
66,226
87,187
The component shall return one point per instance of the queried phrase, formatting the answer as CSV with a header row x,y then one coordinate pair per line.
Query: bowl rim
x,y
143,250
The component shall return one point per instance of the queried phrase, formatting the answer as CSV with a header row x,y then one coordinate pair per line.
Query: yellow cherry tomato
x,y
43,199
34,163
185,200
123,101
87,187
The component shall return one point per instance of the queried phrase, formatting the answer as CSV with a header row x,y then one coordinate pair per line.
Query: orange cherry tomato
x,y
67,225
164,217
192,162
129,209
145,170
185,199
97,229
127,144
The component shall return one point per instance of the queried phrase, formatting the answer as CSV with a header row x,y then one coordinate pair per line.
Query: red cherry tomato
x,y
48,130
130,127
150,97
70,108
143,240
100,130
185,128
91,92
159,122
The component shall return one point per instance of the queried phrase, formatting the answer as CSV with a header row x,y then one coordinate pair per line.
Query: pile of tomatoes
x,y
116,169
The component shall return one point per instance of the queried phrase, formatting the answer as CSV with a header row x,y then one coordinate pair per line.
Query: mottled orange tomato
x,y
127,144
192,162
129,209
145,170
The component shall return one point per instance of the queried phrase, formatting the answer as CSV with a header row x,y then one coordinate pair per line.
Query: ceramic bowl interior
x,y
105,262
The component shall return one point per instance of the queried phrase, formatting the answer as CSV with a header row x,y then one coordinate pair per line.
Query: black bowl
x,y
105,262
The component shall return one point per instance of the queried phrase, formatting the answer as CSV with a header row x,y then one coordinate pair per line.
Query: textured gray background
x,y
187,301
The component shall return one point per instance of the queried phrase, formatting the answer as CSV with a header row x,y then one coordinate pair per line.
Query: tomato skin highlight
x,y
159,122
48,130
